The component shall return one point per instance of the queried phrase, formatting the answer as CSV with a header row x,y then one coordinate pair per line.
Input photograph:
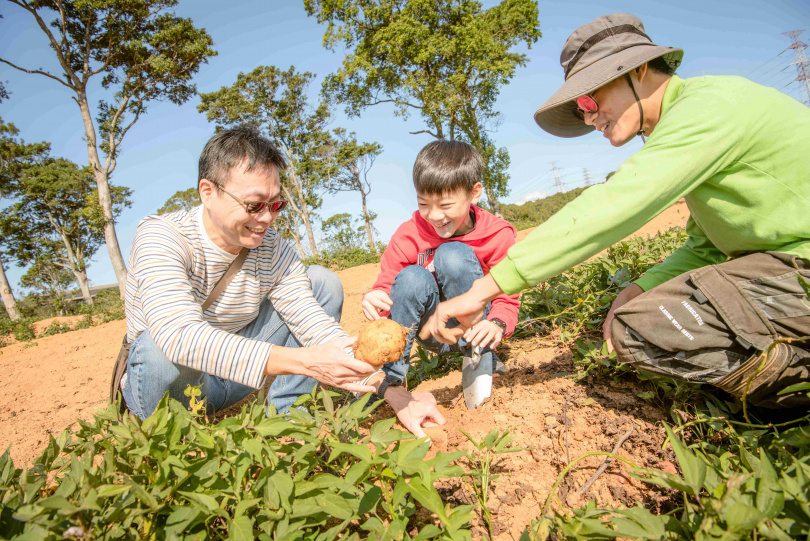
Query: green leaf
x,y
273,427
429,531
428,497
355,449
244,505
120,430
368,503
208,502
241,529
377,434
180,519
639,523
278,491
770,496
57,502
107,491
741,517
803,386
693,468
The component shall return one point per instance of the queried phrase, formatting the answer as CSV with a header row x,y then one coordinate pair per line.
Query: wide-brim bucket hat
x,y
594,55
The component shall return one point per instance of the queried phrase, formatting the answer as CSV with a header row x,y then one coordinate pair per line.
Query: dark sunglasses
x,y
256,207
586,104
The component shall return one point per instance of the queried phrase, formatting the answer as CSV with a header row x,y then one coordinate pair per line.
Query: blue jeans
x,y
150,374
416,294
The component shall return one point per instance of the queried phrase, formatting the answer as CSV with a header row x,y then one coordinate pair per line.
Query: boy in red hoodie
x,y
437,255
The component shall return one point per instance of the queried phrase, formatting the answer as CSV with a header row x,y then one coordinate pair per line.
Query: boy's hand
x,y
484,333
374,302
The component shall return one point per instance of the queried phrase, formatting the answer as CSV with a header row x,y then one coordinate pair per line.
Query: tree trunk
x,y
302,202
101,175
292,229
8,295
76,262
308,227
81,277
494,206
371,245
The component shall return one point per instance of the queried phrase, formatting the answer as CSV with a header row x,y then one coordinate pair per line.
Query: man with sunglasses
x,y
274,317
730,307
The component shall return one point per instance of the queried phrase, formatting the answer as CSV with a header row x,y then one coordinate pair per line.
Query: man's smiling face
x,y
618,115
226,221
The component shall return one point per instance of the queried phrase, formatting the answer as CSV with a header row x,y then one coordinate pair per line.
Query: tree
x,y
341,233
137,51
49,278
352,162
289,225
57,208
276,101
14,155
181,200
446,59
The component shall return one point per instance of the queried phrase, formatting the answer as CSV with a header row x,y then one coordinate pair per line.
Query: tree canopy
x,y
137,51
181,200
445,59
276,101
56,216
15,155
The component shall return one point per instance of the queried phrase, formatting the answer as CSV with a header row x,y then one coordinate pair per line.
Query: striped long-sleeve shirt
x,y
174,265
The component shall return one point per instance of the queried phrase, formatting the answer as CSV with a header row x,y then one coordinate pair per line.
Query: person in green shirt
x,y
730,306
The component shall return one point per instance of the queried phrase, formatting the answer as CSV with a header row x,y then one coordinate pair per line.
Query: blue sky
x,y
159,155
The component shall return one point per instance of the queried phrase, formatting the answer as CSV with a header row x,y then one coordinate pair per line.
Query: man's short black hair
x,y
231,148
445,166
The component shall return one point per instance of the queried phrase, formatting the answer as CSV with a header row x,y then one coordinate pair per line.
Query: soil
x,y
46,384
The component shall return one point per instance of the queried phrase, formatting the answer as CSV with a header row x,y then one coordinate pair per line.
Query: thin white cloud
x,y
531,196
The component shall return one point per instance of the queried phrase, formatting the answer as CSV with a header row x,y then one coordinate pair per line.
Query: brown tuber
x,y
381,341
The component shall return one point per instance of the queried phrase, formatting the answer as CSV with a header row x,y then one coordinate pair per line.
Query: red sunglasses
x,y
586,104
255,207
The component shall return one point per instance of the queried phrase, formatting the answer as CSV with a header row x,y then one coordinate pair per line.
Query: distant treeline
x,y
534,213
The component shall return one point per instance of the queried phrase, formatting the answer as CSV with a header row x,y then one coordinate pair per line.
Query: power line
x,y
558,185
801,62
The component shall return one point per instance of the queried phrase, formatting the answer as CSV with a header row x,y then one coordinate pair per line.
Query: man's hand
x,y
414,410
467,309
328,363
626,295
484,333
375,302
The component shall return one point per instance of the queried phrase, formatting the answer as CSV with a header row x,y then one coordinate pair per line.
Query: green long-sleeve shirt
x,y
737,151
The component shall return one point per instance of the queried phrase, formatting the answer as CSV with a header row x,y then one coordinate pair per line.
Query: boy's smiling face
x,y
449,213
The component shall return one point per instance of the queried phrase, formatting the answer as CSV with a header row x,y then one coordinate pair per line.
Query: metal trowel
x,y
476,378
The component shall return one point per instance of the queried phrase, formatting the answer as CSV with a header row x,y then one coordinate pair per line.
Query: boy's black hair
x,y
232,147
445,166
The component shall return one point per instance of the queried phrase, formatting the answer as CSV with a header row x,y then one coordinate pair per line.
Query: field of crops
x,y
685,463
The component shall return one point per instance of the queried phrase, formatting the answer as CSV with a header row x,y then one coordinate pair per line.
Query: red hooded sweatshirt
x,y
415,242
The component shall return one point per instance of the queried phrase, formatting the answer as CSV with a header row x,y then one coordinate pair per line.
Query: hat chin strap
x,y
640,109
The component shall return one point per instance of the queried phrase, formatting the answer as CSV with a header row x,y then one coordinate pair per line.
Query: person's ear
x,y
207,190
641,72
477,191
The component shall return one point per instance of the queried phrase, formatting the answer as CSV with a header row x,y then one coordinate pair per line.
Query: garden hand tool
x,y
476,378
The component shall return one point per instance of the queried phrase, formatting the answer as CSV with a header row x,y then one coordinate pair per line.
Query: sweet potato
x,y
381,341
